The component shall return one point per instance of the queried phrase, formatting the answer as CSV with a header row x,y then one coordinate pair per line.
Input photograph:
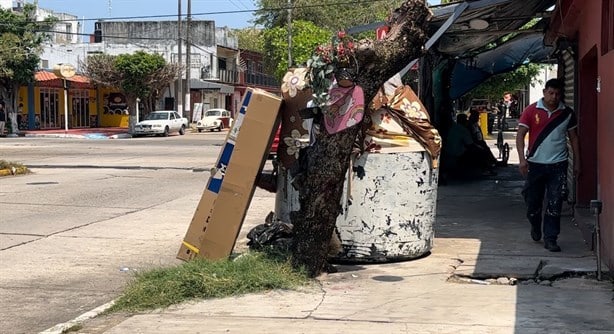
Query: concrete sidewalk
x,y
484,275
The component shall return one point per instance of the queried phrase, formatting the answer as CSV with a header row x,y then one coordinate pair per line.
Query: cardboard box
x,y
226,198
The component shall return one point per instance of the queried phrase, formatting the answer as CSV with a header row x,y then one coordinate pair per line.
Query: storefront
x,y
41,105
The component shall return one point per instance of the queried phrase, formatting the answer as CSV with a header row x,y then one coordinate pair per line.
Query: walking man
x,y
549,123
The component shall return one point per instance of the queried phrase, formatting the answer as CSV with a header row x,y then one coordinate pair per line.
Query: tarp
x,y
470,72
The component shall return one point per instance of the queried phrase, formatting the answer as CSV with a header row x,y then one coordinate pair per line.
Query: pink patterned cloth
x,y
345,108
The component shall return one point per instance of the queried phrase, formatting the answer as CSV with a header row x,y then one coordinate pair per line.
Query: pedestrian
x,y
2,118
549,123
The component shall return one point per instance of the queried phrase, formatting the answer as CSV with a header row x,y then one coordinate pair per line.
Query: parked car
x,y
161,123
275,144
215,119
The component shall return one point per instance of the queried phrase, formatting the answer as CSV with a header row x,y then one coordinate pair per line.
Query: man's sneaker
x,y
552,246
536,233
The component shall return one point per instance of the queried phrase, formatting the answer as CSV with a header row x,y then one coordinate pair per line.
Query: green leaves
x,y
250,39
20,44
305,37
494,87
136,70
139,75
332,15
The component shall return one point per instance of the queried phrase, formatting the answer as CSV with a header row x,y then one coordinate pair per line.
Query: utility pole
x,y
289,33
179,90
188,63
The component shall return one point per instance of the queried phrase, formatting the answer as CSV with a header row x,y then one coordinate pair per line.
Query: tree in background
x,y
139,75
333,15
250,39
495,86
21,39
313,23
305,37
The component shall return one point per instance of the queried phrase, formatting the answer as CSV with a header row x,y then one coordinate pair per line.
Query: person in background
x,y
549,123
487,159
492,114
458,141
2,118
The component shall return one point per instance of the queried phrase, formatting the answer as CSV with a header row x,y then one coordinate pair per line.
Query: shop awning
x,y
483,22
470,72
209,85
50,79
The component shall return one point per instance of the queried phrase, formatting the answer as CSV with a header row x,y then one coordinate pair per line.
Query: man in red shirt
x,y
549,123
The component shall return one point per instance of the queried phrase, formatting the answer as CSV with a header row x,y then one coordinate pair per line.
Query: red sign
x,y
381,32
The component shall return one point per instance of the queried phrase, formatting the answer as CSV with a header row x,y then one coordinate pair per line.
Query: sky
x,y
201,9
93,9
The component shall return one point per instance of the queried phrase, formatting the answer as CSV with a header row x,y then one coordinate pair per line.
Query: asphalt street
x,y
96,211
91,213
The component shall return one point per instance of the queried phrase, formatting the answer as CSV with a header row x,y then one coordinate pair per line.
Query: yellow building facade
x,y
42,105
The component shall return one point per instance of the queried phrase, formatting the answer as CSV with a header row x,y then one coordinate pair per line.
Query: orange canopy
x,y
49,79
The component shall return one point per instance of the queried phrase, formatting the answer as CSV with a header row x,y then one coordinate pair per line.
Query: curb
x,y
88,136
54,135
121,136
61,328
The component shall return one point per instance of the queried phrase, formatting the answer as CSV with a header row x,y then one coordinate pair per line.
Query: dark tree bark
x,y
321,186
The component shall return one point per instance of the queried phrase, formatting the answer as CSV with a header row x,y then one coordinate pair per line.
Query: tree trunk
x,y
327,161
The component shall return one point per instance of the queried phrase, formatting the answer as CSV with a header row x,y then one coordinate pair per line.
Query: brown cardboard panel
x,y
226,198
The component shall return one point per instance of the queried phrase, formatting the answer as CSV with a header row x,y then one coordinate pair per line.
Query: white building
x,y
66,30
213,56
537,83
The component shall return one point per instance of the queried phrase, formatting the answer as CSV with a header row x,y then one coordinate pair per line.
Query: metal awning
x,y
483,22
210,85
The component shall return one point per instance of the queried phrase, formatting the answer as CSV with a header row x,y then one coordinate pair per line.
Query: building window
x,y
44,63
221,64
607,27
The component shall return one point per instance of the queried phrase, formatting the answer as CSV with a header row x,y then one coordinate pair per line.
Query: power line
x,y
104,36
242,4
234,4
283,8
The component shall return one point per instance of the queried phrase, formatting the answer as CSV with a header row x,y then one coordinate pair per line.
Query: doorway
x,y
587,128
49,108
80,108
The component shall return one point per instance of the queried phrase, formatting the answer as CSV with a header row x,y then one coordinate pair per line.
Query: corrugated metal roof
x,y
499,16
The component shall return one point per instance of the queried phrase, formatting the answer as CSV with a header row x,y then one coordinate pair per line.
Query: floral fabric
x,y
398,117
294,81
344,109
294,132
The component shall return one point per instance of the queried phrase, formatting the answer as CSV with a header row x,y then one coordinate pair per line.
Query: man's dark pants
x,y
549,179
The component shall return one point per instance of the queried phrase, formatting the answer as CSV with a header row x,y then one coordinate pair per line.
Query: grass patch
x,y
13,168
74,328
202,279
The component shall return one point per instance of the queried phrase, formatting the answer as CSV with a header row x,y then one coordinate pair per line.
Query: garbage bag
x,y
275,234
